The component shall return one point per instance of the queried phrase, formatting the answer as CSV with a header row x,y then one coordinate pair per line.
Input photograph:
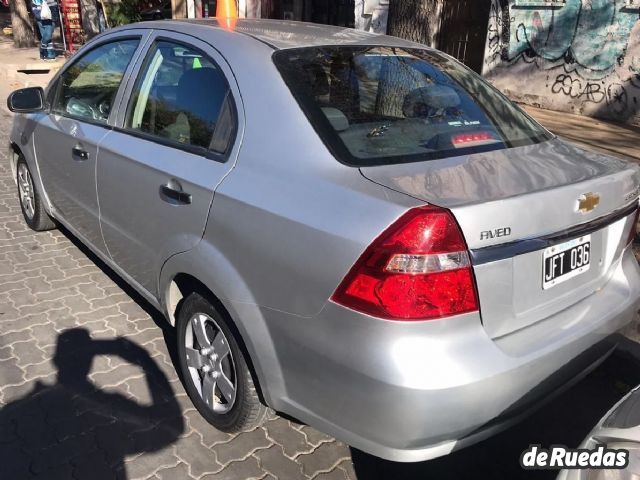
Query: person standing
x,y
46,15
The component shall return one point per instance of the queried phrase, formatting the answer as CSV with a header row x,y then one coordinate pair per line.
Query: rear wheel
x,y
31,203
215,371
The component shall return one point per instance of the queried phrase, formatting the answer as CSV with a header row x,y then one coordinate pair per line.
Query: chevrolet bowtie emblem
x,y
587,202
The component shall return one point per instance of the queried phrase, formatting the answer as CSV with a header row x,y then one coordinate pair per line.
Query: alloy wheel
x,y
210,361
27,193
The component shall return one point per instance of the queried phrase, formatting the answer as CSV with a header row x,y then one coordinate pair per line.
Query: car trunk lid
x,y
513,206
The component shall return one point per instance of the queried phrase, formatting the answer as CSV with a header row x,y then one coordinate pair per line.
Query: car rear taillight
x,y
418,269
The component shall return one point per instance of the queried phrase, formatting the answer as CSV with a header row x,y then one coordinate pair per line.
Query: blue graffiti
x,y
590,35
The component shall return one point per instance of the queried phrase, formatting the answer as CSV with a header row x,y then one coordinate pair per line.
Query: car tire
x,y
31,204
199,325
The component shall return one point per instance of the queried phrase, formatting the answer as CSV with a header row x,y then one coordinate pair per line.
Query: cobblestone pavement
x,y
88,387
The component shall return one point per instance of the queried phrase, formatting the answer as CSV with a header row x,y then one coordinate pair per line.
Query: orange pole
x,y
227,13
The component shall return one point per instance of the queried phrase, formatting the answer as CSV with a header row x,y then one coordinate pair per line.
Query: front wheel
x,y
214,369
33,211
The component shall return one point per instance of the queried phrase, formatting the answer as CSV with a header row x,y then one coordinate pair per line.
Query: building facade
x,y
580,56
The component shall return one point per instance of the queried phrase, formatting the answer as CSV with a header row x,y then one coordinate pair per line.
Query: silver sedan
x,y
352,229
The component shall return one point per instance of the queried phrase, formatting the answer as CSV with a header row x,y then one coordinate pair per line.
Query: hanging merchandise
x,y
71,25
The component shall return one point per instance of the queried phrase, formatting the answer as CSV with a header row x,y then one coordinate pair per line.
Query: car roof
x,y
280,34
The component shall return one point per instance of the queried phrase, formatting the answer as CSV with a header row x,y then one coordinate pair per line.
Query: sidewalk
x,y
22,67
591,133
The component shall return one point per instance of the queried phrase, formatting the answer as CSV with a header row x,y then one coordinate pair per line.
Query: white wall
x,y
371,15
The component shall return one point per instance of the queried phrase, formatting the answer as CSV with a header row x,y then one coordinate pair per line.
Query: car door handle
x,y
172,193
79,154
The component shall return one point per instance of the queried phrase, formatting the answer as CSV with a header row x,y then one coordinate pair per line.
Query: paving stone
x,y
15,462
146,336
61,472
115,442
116,376
26,353
11,374
291,440
38,370
315,437
97,314
6,352
200,459
77,303
179,472
324,458
20,336
335,474
242,446
37,285
348,469
93,466
8,311
273,461
51,274
147,464
210,435
39,308
247,469
45,334
56,293
15,393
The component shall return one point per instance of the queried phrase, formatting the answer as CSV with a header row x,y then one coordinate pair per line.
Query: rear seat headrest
x,y
436,97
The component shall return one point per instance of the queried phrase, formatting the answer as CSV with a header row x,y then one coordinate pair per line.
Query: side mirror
x,y
26,100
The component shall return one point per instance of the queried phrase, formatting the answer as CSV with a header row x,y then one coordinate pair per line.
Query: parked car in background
x,y
352,229
618,429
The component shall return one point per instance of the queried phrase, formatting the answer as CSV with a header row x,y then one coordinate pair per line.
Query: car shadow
x,y
73,429
566,420
157,317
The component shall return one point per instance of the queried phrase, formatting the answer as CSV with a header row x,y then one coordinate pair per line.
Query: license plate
x,y
565,261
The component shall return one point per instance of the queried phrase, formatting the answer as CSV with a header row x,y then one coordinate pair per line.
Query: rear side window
x,y
383,105
179,97
88,87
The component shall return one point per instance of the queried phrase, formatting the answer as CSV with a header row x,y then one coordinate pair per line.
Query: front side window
x,y
382,105
87,89
179,97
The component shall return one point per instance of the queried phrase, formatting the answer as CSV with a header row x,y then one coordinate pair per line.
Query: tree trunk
x,y
415,20
89,18
21,24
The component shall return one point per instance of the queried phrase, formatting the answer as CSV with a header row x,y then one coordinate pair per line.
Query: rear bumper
x,y
411,391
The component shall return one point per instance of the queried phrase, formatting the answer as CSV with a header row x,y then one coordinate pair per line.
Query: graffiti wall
x,y
581,56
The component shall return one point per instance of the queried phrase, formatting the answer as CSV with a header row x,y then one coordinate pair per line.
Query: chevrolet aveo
x,y
352,229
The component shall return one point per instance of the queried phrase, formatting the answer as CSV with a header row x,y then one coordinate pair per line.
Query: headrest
x,y
201,91
337,119
436,97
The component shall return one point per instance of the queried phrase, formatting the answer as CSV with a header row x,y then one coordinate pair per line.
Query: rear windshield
x,y
382,105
